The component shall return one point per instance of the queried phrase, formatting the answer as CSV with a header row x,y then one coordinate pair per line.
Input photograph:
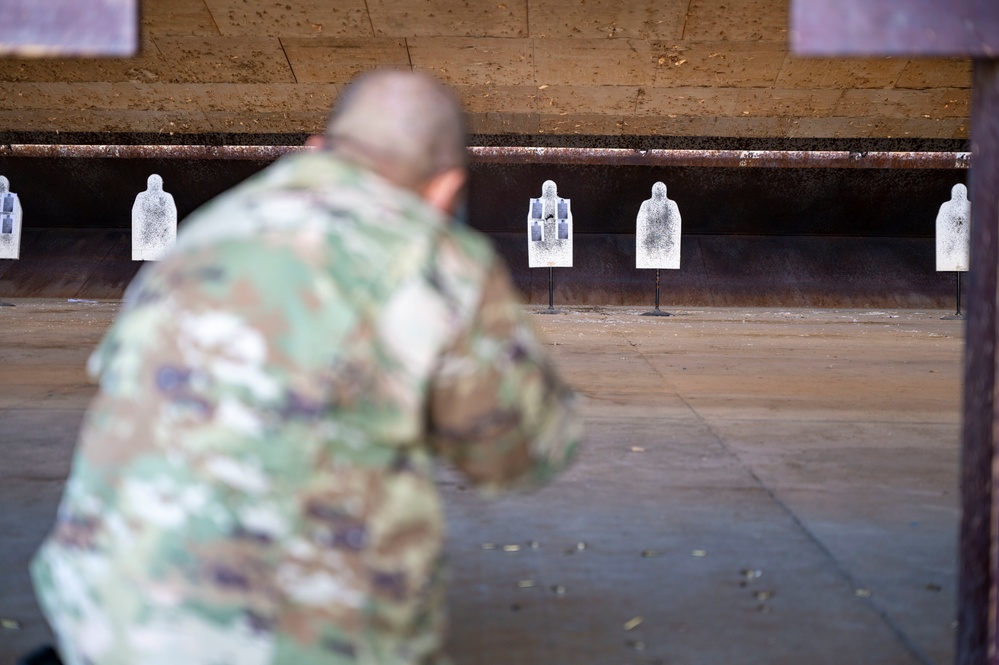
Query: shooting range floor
x,y
757,486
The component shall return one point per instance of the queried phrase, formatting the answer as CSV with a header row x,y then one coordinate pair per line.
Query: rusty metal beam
x,y
67,151
724,158
527,155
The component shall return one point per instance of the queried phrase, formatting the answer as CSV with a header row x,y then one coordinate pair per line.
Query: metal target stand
x,y
958,315
657,311
551,295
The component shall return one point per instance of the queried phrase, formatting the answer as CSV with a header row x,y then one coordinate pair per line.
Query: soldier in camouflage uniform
x,y
253,481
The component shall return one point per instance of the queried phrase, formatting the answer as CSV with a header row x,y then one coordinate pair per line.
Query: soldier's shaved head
x,y
408,127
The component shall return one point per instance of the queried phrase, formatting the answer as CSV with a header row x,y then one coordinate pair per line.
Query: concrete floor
x,y
791,477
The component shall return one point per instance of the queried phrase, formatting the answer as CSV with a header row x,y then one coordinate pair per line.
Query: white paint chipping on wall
x,y
657,232
10,222
549,230
954,231
154,222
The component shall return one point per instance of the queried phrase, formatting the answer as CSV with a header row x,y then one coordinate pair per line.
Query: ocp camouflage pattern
x,y
253,481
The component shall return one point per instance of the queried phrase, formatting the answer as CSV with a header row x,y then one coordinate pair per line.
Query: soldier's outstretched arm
x,y
498,409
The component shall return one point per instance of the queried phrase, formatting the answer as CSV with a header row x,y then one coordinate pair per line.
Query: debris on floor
x,y
632,623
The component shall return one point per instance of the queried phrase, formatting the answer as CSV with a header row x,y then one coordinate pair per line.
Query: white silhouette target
x,y
549,230
10,222
154,222
657,232
953,231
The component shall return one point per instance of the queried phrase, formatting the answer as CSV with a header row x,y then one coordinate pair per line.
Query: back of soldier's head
x,y
406,126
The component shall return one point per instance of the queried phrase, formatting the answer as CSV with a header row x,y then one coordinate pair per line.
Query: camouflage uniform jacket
x,y
253,481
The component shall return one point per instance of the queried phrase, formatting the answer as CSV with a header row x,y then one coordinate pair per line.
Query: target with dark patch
x,y
953,231
10,222
549,230
657,232
154,222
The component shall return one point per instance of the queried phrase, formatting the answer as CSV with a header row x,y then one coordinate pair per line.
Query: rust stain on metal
x,y
532,155
236,152
723,158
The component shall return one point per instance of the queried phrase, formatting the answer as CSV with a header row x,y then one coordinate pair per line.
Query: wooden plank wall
x,y
604,67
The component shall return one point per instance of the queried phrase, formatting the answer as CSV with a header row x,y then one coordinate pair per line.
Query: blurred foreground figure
x,y
253,482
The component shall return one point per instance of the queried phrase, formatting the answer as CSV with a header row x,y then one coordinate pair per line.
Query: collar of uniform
x,y
325,176
322,170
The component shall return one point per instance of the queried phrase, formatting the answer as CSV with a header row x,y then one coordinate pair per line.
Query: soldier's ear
x,y
443,191
315,142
